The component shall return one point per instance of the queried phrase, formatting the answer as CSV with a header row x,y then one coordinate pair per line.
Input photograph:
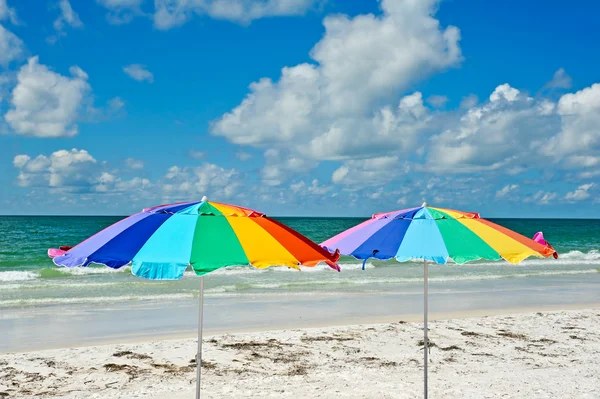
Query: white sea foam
x,y
578,255
571,258
242,270
69,284
82,271
365,280
96,299
18,275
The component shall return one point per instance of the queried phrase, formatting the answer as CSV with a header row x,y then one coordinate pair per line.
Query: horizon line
x,y
313,217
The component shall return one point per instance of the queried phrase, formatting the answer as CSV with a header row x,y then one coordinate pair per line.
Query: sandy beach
x,y
549,354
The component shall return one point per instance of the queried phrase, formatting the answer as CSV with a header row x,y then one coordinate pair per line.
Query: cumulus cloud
x,y
196,154
8,13
580,194
110,184
134,163
191,182
171,13
580,117
541,197
509,188
469,101
437,101
506,130
121,11
70,170
67,17
11,47
115,104
331,110
280,166
560,80
243,156
369,172
315,188
139,72
77,172
45,103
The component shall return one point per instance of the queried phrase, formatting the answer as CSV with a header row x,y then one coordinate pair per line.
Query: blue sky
x,y
300,107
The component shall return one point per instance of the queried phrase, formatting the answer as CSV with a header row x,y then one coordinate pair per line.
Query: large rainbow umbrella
x,y
437,235
161,242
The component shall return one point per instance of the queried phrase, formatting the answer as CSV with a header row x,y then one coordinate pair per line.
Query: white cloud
x,y
508,129
315,188
560,80
469,101
171,13
541,197
376,194
108,183
437,101
280,166
191,182
332,109
197,154
509,188
5,82
115,104
134,163
67,17
76,171
70,170
243,156
75,176
7,12
21,160
45,103
121,11
298,187
11,47
369,172
581,193
139,72
504,92
580,117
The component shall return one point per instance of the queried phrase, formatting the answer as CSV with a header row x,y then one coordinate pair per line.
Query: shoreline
x,y
541,354
346,322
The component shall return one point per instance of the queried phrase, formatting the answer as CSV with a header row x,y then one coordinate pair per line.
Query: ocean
x,y
33,289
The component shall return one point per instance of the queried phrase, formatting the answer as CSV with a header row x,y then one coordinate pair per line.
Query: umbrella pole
x,y
425,341
199,354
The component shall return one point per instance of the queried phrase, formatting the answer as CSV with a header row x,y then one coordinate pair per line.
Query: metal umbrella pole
x,y
425,342
199,354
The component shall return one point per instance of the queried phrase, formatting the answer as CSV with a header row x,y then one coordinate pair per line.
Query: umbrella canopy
x,y
161,242
436,235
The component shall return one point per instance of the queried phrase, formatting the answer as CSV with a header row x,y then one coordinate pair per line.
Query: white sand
x,y
534,355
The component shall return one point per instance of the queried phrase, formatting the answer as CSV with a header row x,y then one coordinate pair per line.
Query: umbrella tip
x,y
424,204
204,199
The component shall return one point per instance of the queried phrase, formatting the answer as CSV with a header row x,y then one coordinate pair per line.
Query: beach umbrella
x,y
161,242
434,235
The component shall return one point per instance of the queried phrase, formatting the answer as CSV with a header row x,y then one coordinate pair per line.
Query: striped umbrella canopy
x,y
436,235
163,241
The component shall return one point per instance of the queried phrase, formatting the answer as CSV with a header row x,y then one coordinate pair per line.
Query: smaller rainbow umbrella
x,y
161,242
437,235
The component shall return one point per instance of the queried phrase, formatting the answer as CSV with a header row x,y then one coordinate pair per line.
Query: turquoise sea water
x,y
45,306
29,278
